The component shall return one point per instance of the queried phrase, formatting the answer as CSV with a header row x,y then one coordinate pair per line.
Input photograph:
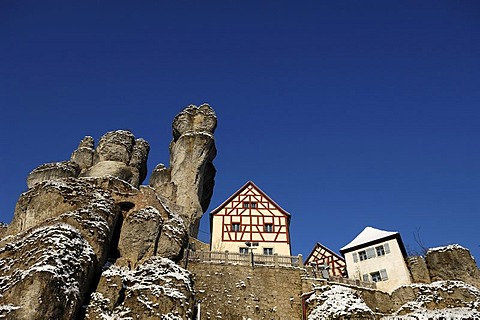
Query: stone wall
x,y
238,292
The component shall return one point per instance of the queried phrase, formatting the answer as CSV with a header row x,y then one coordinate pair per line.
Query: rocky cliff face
x,y
88,241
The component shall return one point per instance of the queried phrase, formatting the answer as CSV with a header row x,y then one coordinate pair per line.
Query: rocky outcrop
x,y
45,273
438,300
189,180
57,242
86,233
118,154
418,269
156,289
83,156
452,262
53,171
338,302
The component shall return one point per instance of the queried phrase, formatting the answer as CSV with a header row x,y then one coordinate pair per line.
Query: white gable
x,y
368,234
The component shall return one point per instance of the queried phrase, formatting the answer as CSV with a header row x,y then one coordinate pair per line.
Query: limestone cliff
x,y
88,241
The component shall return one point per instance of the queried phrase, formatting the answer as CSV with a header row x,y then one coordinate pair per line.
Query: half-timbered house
x,y
322,257
249,217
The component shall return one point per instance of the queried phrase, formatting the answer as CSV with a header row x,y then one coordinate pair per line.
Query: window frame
x,y
235,227
268,227
362,255
376,276
268,251
380,251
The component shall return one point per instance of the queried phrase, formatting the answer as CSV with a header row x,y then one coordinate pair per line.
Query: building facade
x,y
378,256
250,219
322,257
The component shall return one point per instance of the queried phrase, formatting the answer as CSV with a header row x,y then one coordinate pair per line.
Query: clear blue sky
x,y
347,113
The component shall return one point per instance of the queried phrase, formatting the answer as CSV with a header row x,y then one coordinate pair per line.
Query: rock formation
x,y
118,154
189,180
452,262
89,241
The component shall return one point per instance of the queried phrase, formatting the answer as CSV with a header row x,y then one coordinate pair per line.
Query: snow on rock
x,y
446,248
51,264
157,288
173,238
139,235
338,302
439,301
441,314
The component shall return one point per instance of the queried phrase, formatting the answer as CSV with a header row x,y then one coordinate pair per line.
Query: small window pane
x,y
268,227
253,204
362,255
243,250
376,276
235,227
365,278
268,251
246,204
380,251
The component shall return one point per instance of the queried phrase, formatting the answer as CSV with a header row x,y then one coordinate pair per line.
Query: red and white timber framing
x,y
249,215
321,255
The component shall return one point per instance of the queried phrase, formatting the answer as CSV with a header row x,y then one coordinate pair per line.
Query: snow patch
x,y
447,248
337,301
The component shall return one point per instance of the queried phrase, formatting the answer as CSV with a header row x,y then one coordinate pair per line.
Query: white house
x,y
378,256
250,216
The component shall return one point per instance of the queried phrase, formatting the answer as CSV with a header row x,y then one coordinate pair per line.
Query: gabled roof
x,y
249,183
318,244
367,236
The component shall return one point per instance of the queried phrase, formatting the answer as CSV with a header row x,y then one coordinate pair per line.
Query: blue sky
x,y
348,114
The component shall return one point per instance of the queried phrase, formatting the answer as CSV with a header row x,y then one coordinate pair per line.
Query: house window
x,y
268,251
243,250
247,204
362,255
379,275
380,251
268,227
235,227
376,276
365,278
